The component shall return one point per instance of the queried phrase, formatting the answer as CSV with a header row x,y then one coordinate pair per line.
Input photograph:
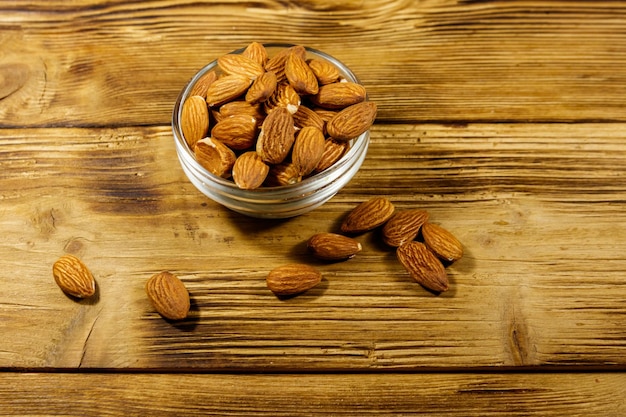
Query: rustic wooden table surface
x,y
506,120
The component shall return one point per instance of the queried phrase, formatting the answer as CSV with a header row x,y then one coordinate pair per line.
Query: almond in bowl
x,y
302,112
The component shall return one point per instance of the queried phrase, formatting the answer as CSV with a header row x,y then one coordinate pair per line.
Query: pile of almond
x,y
272,121
423,248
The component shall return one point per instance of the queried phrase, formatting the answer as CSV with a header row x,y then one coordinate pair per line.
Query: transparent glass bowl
x,y
270,202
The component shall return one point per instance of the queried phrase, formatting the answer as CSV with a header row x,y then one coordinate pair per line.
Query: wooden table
x,y
506,120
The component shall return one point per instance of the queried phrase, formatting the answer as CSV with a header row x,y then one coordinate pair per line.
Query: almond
x,y
404,226
293,279
368,215
227,88
194,119
325,72
333,246
202,85
250,171
339,95
73,277
352,121
307,117
241,65
299,75
238,132
215,157
308,149
441,242
423,266
276,137
233,108
333,151
283,174
276,64
257,52
168,295
284,96
262,88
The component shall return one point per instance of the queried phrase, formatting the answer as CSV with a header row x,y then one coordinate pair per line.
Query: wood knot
x,y
12,77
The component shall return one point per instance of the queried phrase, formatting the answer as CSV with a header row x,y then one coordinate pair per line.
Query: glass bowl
x,y
270,202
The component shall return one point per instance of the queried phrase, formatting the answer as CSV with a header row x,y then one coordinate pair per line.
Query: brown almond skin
x,y
238,131
368,215
276,137
352,121
202,85
423,266
276,64
215,157
284,96
240,64
325,72
333,151
257,52
168,295
308,149
441,242
194,119
282,174
250,171
339,95
333,246
262,88
293,279
300,76
227,88
73,277
404,226
307,117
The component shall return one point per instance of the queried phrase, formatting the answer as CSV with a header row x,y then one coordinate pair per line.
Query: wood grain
x,y
111,64
518,394
504,119
540,284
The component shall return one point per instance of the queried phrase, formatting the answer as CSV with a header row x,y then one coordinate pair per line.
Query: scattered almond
x,y
441,242
73,277
168,295
293,279
333,246
368,215
404,226
423,266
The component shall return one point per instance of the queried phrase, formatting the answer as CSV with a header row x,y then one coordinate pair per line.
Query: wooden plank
x,y
112,64
536,207
517,394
